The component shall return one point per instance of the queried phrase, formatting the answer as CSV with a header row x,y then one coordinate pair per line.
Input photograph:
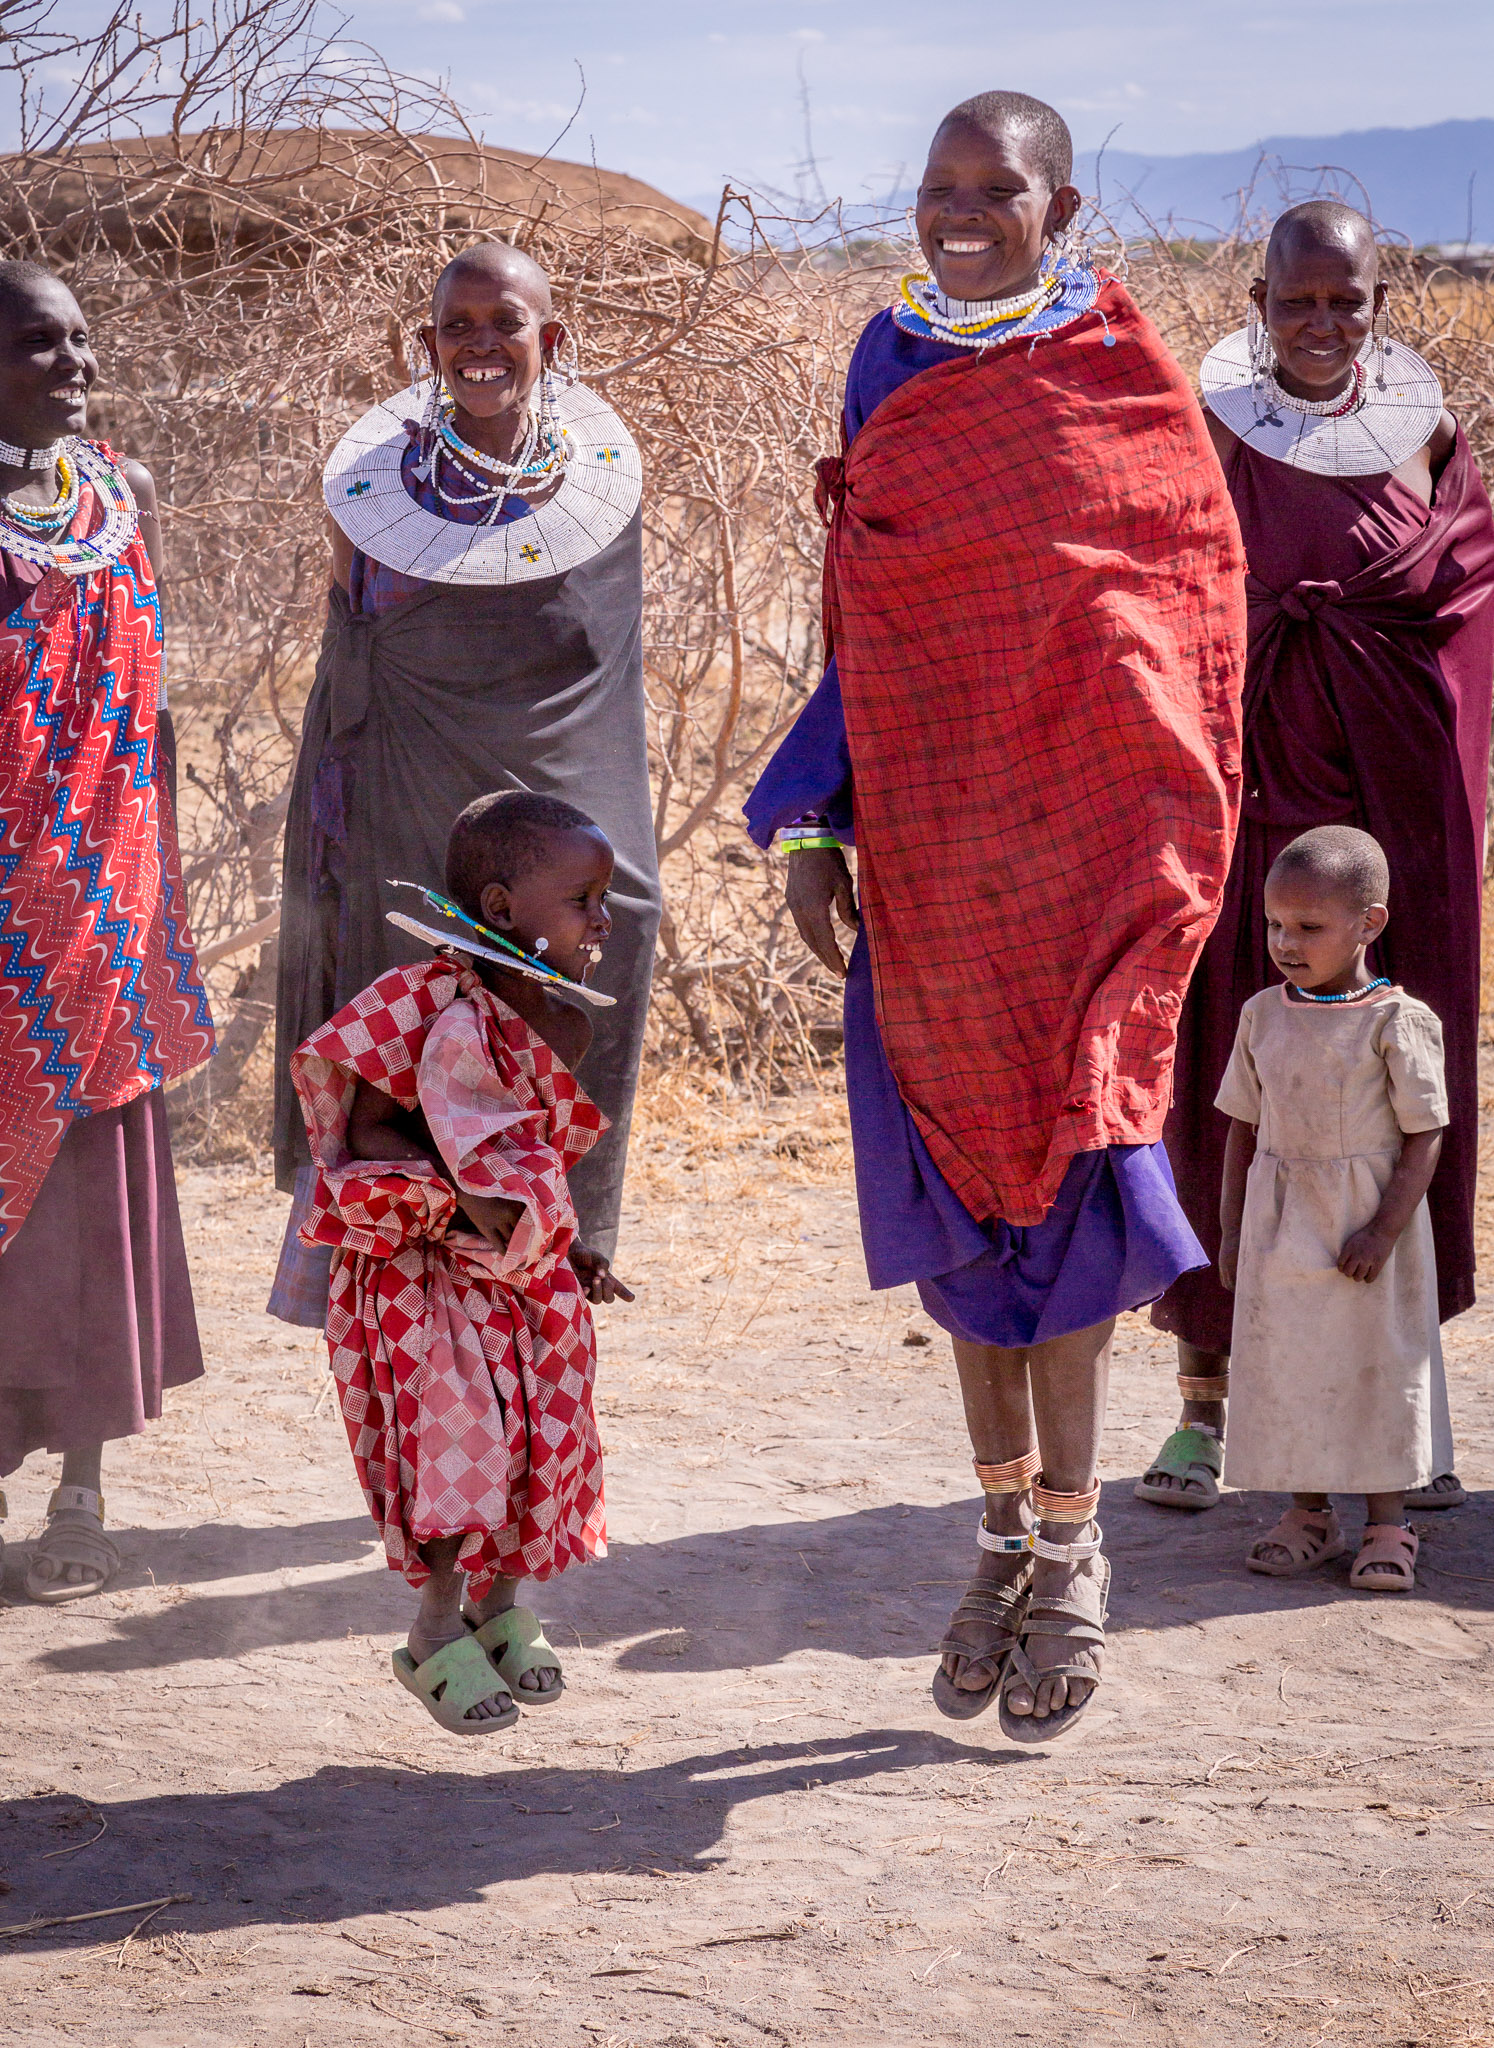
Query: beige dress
x,y
1335,1386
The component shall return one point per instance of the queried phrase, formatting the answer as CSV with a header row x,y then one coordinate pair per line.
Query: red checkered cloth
x,y
465,1372
1034,588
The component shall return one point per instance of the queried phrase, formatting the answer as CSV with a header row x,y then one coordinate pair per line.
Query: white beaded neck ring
x,y
31,458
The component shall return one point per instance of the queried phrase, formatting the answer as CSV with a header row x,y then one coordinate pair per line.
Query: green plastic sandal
x,y
452,1682
1187,1454
516,1642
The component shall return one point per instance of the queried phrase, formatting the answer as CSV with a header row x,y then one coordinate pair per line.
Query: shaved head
x,y
1340,860
1322,224
502,264
1039,130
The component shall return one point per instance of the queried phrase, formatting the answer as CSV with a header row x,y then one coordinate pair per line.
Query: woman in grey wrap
x,y
484,631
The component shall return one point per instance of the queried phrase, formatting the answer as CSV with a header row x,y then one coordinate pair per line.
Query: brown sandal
x,y
1386,1543
1311,1536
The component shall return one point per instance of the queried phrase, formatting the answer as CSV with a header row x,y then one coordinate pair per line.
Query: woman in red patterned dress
x,y
442,1117
101,1001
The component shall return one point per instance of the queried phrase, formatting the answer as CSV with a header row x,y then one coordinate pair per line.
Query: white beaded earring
x,y
1380,328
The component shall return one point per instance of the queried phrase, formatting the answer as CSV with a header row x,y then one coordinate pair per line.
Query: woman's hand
x,y
598,1281
1229,1260
818,882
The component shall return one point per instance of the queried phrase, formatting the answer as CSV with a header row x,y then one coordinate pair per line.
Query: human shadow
x,y
875,1583
349,1840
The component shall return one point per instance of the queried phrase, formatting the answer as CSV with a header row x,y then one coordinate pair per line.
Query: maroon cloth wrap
x,y
1367,702
95,1296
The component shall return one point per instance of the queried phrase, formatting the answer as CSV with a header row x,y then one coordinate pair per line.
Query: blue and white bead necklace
x,y
1350,995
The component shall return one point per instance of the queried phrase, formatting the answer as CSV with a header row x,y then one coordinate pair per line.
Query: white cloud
x,y
807,35
440,10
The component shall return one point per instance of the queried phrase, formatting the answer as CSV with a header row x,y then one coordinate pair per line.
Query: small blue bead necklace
x,y
1350,995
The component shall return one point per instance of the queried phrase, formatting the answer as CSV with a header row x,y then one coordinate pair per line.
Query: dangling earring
x,y
568,367
430,419
1380,328
1257,343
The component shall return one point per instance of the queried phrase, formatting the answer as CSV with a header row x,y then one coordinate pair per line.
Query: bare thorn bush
x,y
253,210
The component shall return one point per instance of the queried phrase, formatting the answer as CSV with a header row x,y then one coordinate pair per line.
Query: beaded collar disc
x,y
1065,290
1398,405
118,520
597,496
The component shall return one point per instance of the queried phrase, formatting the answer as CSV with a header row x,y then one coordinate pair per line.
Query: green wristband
x,y
809,845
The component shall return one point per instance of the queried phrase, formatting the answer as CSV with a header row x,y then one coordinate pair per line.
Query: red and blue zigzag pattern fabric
x,y
101,997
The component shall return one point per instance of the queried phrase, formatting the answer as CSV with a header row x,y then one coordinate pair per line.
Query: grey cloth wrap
x,y
458,691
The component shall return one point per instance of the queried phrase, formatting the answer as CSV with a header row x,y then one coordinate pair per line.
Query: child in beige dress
x,y
1336,1092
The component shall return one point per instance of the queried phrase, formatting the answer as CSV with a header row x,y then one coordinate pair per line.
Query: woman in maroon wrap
x,y
1370,546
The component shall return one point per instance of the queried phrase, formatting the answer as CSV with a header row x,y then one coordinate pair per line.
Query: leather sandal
x,y
993,1613
1076,1615
991,1607
65,1543
1386,1543
1310,1536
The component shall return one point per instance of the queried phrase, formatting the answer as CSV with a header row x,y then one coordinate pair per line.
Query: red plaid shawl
x,y
1035,594
465,1373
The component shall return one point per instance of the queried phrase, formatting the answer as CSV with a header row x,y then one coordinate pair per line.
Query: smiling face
x,y
560,898
1319,298
985,213
492,331
46,365
1317,935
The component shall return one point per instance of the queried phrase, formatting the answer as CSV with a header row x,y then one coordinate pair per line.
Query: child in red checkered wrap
x,y
443,1116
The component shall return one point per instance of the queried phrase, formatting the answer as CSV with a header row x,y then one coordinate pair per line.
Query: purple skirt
x,y
95,1296
1114,1239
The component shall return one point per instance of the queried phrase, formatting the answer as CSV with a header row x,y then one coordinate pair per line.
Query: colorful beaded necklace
x,y
1065,290
1350,995
39,534
46,520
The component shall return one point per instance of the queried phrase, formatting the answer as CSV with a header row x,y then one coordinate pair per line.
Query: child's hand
x,y
494,1215
1229,1260
1364,1256
598,1281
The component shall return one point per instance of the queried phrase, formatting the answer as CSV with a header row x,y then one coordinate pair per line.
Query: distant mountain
x,y
1422,183
1430,185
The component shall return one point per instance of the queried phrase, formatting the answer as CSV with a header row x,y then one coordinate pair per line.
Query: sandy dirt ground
x,y
744,1822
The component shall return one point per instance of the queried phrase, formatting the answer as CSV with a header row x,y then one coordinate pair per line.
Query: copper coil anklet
x,y
1015,1476
1195,1387
1066,1507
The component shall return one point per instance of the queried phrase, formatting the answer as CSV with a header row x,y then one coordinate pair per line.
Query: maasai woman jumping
x,y
1036,627
100,996
483,633
1371,603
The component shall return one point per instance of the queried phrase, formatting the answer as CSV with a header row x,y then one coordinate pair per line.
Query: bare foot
x,y
423,1643
504,1594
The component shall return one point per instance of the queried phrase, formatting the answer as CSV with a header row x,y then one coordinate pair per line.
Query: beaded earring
x,y
1380,328
430,419
1257,343
568,368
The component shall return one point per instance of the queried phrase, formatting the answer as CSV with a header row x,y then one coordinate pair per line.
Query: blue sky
x,y
685,94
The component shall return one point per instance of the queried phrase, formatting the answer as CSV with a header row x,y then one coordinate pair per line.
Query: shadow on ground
x,y
879,1583
353,1840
